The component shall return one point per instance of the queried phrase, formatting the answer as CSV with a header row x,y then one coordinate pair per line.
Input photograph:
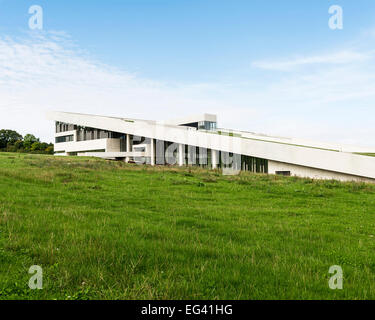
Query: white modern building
x,y
197,140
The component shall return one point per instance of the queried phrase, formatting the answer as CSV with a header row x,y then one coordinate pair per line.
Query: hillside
x,y
110,230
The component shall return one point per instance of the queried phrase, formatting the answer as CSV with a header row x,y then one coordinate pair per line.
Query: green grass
x,y
109,230
367,154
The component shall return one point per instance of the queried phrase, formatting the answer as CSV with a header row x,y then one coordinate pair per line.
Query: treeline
x,y
12,141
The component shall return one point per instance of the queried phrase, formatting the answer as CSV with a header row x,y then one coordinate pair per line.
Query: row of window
x,y
84,134
63,127
166,152
64,139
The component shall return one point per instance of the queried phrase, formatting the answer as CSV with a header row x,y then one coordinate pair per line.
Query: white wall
x,y
67,133
306,172
110,145
113,145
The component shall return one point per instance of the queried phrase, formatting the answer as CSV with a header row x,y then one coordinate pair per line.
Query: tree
x,y
28,140
44,146
11,141
8,137
18,145
36,146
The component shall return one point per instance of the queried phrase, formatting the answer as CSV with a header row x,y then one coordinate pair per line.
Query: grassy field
x,y
109,230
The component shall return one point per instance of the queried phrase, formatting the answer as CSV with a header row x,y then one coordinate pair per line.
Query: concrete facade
x,y
275,167
193,135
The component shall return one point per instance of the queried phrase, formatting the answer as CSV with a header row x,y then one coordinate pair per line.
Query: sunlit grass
x,y
108,230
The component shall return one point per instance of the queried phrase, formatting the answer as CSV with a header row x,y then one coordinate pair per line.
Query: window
x,y
64,139
283,173
139,149
206,125
212,126
193,125
62,127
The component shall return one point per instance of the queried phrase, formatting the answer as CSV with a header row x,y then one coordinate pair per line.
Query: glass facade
x,y
202,125
63,127
86,133
206,125
166,152
64,139
254,164
242,162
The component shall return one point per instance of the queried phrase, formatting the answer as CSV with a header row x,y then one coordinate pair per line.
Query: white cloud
x,y
48,72
334,101
342,57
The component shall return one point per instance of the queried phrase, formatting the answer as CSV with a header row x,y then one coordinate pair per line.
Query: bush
x,y
11,141
49,149
36,146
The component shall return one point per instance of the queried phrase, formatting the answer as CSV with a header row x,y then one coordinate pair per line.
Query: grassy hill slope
x,y
109,230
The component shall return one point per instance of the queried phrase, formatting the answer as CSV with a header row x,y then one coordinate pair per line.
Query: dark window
x,y
193,125
64,139
62,127
283,173
254,164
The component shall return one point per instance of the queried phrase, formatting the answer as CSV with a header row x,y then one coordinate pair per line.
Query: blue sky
x,y
190,40
264,66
